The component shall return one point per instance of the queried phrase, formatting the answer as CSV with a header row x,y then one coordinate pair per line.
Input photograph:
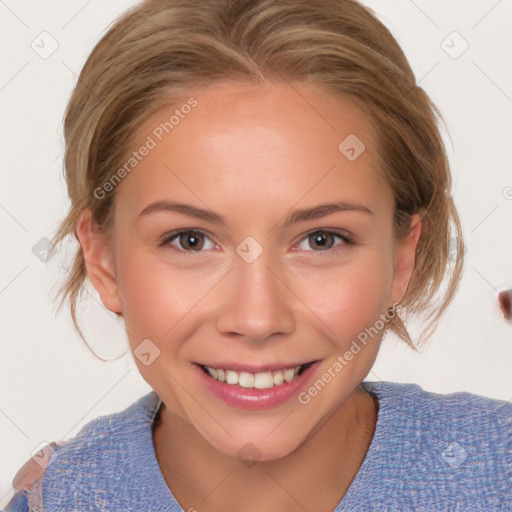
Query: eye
x,y
190,240
321,238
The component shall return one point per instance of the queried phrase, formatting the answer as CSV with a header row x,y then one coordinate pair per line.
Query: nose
x,y
257,301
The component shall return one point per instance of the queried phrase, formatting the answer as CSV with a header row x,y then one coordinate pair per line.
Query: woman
x,y
260,190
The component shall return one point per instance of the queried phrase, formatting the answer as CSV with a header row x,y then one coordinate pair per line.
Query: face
x,y
249,284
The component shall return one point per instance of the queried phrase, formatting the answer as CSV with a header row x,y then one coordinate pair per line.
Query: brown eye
x,y
321,239
189,241
323,242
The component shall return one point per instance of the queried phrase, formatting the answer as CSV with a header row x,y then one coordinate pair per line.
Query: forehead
x,y
268,143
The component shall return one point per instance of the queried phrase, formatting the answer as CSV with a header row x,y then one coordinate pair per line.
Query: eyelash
x,y
348,241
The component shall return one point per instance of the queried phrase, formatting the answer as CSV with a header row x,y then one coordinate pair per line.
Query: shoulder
x,y
471,416
409,390
29,478
100,445
18,503
459,404
455,443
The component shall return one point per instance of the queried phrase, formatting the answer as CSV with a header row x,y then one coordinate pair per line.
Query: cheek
x,y
155,295
349,298
162,301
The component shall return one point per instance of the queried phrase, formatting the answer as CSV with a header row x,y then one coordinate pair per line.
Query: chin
x,y
253,447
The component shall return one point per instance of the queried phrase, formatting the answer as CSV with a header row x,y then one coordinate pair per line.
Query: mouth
x,y
264,378
255,388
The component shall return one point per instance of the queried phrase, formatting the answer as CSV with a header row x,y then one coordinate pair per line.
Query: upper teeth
x,y
261,380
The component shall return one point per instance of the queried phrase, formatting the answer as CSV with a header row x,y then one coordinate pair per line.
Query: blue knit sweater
x,y
430,453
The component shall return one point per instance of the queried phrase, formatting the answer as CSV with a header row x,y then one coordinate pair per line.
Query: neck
x,y
314,477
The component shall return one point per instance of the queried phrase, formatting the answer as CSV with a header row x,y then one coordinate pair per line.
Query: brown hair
x,y
159,50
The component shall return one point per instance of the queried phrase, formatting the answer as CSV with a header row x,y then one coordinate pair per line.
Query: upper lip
x,y
239,367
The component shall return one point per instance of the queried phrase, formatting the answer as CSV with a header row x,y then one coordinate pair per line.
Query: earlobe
x,y
405,257
99,262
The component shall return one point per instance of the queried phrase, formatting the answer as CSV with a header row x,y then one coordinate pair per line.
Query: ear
x,y
404,259
99,260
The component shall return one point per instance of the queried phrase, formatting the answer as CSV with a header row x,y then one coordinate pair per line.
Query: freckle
x,y
505,304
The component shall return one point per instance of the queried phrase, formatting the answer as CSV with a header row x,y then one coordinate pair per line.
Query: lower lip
x,y
255,399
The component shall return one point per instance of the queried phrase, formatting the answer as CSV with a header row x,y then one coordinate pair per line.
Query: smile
x,y
252,387
259,380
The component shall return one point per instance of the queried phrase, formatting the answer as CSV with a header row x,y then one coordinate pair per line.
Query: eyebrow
x,y
301,215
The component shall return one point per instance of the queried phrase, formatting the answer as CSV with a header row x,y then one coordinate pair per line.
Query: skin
x,y
253,153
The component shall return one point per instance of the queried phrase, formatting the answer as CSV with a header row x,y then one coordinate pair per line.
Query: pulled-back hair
x,y
160,49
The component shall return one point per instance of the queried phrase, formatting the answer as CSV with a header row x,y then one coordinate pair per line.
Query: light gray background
x,y
50,383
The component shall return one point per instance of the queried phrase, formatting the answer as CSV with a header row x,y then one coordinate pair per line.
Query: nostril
x,y
505,304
